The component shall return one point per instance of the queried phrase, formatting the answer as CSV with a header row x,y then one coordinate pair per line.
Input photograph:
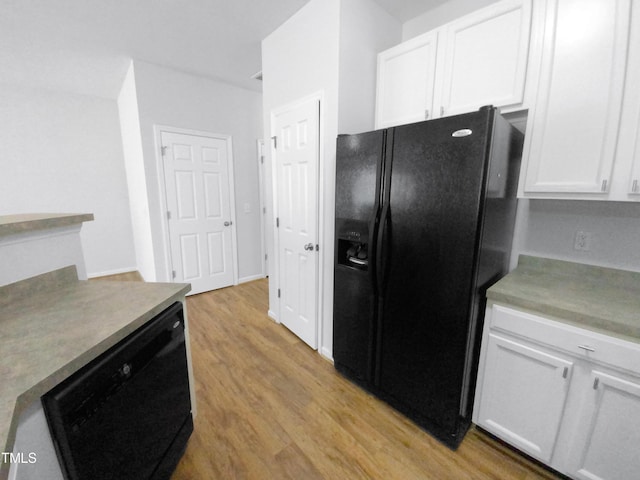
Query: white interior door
x,y
296,157
200,213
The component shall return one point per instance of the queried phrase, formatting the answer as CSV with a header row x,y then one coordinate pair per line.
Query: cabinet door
x,y
486,56
573,129
607,443
406,75
523,395
634,187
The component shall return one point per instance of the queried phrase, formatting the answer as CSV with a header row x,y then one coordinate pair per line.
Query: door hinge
x,y
261,158
317,247
264,209
604,185
266,257
173,274
168,215
163,150
278,293
275,142
277,222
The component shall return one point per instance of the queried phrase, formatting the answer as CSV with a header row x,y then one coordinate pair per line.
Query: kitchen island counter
x,y
53,324
30,222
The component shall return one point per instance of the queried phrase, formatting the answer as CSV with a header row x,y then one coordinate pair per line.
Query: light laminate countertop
x,y
30,222
602,299
53,324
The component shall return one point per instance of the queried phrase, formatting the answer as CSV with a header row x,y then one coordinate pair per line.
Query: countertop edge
x,y
23,223
599,299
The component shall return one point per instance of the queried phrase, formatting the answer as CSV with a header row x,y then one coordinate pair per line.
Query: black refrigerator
x,y
424,222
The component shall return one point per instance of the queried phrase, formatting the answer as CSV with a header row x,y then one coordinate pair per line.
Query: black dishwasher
x,y
127,414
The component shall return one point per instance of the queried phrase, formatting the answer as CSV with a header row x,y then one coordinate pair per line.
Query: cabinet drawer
x,y
579,342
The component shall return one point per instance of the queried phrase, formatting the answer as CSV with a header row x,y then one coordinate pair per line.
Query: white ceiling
x,y
84,46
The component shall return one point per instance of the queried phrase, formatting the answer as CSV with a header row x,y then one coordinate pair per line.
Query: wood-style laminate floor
x,y
269,407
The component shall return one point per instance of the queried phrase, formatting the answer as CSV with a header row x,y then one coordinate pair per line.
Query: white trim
x,y
319,98
321,221
251,278
261,166
272,315
117,271
326,353
157,133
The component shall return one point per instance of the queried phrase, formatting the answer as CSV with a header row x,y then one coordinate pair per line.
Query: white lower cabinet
x,y
607,437
522,378
566,396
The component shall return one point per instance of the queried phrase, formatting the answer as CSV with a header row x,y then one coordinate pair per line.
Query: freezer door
x,y
435,197
358,195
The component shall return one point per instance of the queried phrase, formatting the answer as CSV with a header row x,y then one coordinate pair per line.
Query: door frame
x,y
275,261
260,149
157,132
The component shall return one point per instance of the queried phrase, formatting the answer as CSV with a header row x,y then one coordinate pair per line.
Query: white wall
x,y
440,15
549,230
328,46
136,177
62,152
365,30
171,98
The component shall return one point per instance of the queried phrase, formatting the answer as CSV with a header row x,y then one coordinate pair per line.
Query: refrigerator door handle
x,y
380,249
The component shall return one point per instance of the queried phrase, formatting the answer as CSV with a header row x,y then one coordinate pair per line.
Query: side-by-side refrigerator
x,y
424,222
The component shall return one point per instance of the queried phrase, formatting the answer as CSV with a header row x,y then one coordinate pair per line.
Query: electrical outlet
x,y
583,241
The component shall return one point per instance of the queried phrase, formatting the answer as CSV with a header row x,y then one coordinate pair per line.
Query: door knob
x,y
308,246
226,224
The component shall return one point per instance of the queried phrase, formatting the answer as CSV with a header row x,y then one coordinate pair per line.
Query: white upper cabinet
x,y
582,128
485,58
406,75
480,59
627,163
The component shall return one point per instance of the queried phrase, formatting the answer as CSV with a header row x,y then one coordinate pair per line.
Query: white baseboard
x,y
326,353
273,316
251,278
117,271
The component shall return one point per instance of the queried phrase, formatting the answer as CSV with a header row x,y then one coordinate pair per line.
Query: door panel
x,y
435,200
606,446
358,175
573,129
406,76
523,395
486,58
197,173
296,163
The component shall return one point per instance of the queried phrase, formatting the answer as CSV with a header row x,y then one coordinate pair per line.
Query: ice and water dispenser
x,y
353,245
